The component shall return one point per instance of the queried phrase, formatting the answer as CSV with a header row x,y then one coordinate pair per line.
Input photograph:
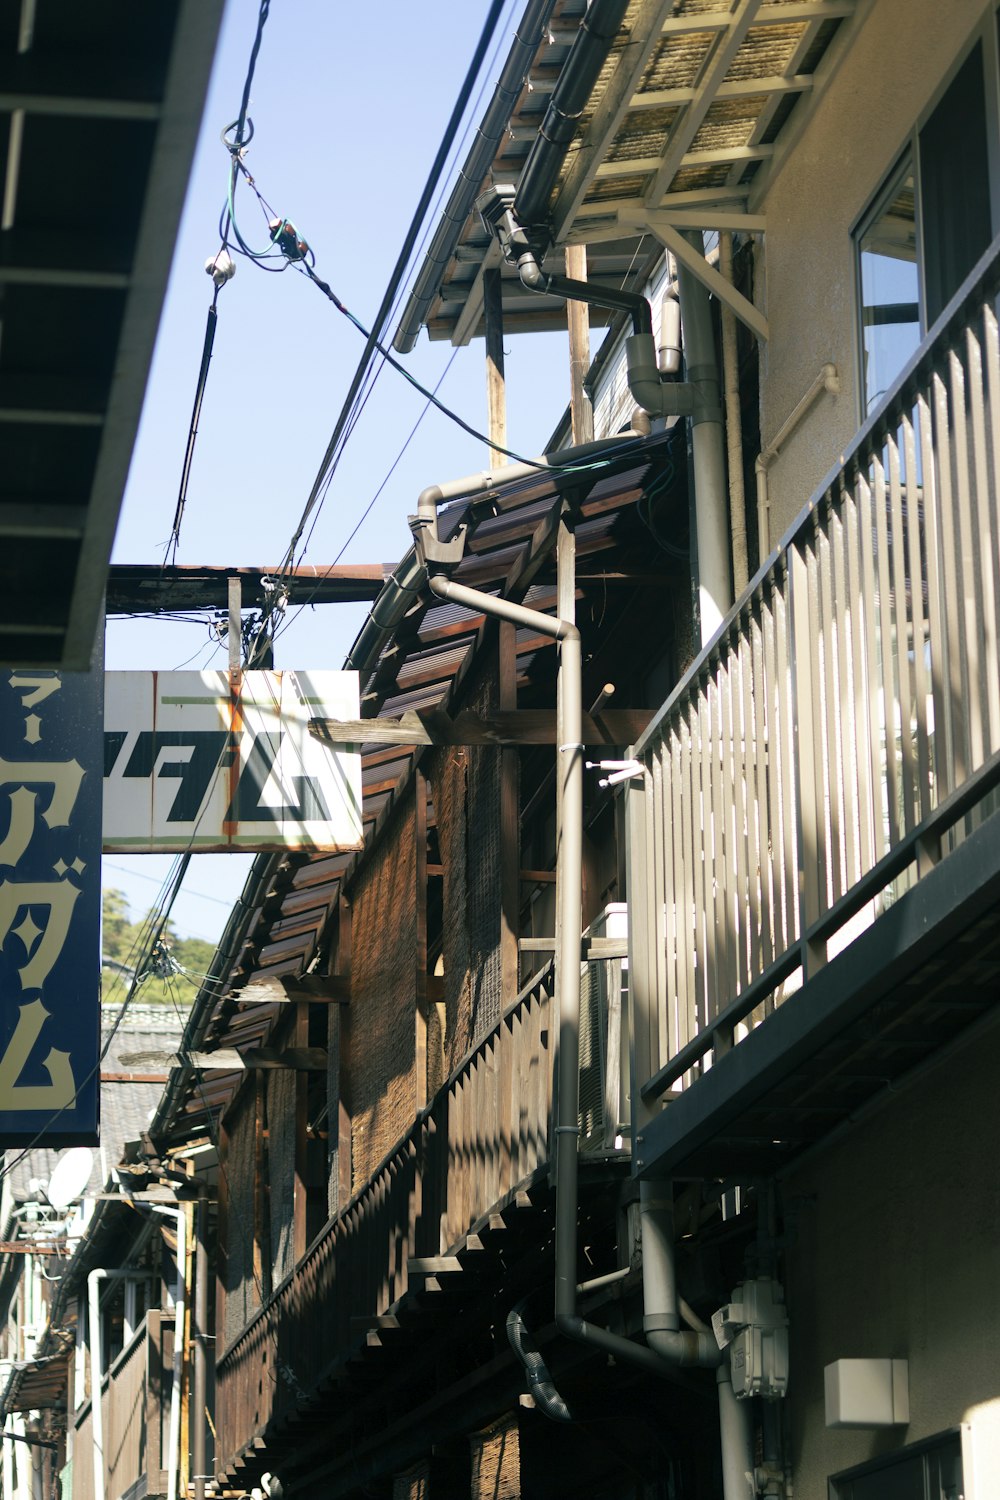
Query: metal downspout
x,y
96,1378
177,1363
94,1278
708,451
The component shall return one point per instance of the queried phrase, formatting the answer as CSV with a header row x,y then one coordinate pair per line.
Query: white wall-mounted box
x,y
867,1393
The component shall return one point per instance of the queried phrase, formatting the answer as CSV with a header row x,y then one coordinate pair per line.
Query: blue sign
x,y
51,764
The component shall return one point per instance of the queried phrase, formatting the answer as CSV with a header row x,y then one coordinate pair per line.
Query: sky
x,y
348,115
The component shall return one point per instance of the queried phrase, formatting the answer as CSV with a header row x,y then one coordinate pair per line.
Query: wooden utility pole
x,y
496,390
578,321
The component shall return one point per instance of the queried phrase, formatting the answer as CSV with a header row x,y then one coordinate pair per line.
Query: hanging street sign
x,y
50,906
219,761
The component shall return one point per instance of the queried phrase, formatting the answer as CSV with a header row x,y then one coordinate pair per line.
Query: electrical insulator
x,y
285,235
221,267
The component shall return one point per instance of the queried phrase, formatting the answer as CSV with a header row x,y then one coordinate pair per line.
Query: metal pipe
x,y
661,1313
738,1478
734,424
177,1363
577,77
94,1278
826,380
536,280
707,452
96,1379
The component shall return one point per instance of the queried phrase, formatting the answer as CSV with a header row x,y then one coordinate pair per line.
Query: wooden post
x,y
235,625
261,1204
300,1212
578,322
221,1241
420,966
344,1142
510,829
496,391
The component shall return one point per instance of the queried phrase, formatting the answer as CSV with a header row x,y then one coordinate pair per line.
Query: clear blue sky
x,y
349,107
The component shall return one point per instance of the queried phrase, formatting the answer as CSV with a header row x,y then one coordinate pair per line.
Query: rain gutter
x,y
477,164
579,73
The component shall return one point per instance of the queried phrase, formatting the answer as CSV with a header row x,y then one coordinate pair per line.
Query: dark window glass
x,y
928,1471
954,185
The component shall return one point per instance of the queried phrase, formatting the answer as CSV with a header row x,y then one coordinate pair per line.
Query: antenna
x,y
70,1176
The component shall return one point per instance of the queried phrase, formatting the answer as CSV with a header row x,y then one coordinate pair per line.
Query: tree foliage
x,y
174,971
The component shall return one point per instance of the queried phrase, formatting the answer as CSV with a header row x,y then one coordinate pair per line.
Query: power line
x,y
399,270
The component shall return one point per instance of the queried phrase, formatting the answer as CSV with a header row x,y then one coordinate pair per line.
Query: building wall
x,y
899,56
895,1234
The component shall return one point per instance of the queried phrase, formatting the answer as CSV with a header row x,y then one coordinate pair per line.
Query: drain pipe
x,y
177,1366
94,1279
677,1347
827,380
174,1431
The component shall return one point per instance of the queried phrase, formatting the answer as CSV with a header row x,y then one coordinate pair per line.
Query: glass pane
x,y
900,1481
945,1473
890,298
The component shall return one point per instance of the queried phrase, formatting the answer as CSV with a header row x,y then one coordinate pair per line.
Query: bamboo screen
x,y
466,792
381,1084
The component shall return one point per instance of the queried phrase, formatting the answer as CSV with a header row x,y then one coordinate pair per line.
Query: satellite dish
x,y
70,1176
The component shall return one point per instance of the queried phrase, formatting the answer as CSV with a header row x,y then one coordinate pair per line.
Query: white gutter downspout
x,y
94,1278
826,380
174,1431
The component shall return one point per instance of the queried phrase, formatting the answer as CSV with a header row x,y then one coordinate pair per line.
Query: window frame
x,y
987,33
924,1448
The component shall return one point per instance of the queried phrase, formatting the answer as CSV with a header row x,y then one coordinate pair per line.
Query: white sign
x,y
193,761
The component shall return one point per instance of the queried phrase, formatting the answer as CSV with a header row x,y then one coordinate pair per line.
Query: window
x,y
929,223
927,1471
890,292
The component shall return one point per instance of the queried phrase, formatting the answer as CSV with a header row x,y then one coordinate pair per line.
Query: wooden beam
x,y
611,111
578,323
496,391
686,127
527,726
467,322
777,15
731,88
685,252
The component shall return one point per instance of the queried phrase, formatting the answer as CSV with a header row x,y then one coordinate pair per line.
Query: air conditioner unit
x,y
604,1112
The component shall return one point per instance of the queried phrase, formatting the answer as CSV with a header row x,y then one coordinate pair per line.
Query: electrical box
x,y
867,1393
754,1328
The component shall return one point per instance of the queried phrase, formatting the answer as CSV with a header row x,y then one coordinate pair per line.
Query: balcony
x,y
814,867
135,1409
427,1235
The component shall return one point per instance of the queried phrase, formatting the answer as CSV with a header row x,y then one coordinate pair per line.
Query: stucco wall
x,y
895,1254
899,55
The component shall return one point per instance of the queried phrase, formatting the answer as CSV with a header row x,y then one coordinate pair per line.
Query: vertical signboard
x,y
51,757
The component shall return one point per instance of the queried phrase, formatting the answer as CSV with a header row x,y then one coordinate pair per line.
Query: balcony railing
x,y
135,1403
486,1133
842,733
